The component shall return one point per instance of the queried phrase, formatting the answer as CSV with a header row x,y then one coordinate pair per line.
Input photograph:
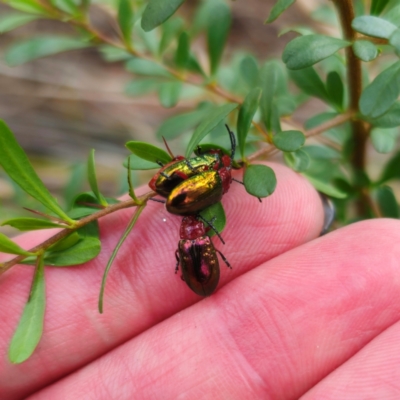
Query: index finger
x,y
142,288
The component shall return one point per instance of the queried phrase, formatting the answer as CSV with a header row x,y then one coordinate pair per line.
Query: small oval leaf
x,y
168,93
158,11
93,179
216,214
125,20
387,202
9,247
148,152
246,114
381,93
365,50
298,160
259,180
326,188
335,89
31,49
217,32
383,140
15,162
279,7
373,26
137,163
30,327
305,51
210,122
11,21
289,140
30,224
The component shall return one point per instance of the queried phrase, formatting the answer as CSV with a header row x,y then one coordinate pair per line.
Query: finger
x,y
272,333
373,371
142,288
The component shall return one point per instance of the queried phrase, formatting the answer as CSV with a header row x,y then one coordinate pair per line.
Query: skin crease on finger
x,y
142,289
373,373
272,333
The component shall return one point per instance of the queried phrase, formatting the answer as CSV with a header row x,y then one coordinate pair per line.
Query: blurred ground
x,y
62,106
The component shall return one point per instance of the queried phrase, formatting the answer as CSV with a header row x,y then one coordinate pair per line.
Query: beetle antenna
x,y
167,147
211,225
233,143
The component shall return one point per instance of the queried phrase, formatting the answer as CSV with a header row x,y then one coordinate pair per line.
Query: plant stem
x,y
79,224
360,129
339,120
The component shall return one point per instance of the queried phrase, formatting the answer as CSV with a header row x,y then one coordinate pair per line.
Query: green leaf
x,y
216,212
335,89
279,7
139,87
182,51
395,39
392,169
91,168
387,202
393,14
30,327
269,75
377,6
66,243
246,114
390,119
87,248
10,21
178,124
28,6
148,152
310,82
321,152
169,92
305,51
30,224
68,6
217,115
114,253
365,50
170,30
381,93
125,20
289,140
31,49
373,26
112,54
217,33
259,180
158,11
9,247
298,160
383,140
326,188
15,162
140,66
137,163
249,71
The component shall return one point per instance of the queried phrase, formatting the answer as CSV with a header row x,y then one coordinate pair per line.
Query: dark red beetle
x,y
198,257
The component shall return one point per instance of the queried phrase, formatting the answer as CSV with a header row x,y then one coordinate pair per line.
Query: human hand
x,y
295,316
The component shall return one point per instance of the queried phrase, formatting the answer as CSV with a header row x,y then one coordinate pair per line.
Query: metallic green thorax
x,y
195,194
188,168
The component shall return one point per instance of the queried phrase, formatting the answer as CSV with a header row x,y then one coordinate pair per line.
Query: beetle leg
x,y
159,163
162,173
177,260
224,258
187,162
211,224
